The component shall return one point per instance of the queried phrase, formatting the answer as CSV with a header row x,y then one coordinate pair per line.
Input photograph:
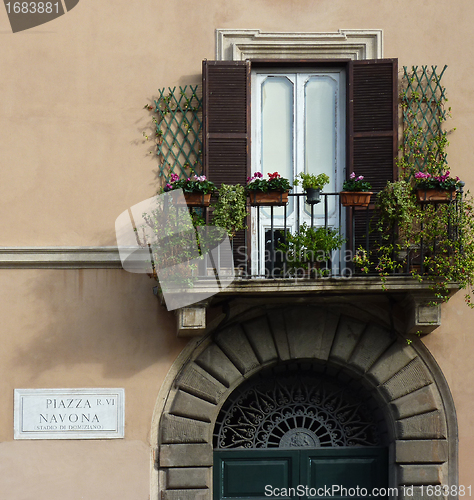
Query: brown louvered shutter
x,y
372,127
226,127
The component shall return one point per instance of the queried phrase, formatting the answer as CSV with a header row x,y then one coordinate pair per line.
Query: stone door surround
x,y
404,380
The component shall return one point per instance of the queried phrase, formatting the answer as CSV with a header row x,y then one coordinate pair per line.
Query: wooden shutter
x,y
372,138
226,127
226,121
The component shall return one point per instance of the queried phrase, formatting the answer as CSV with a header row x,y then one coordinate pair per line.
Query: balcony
x,y
265,273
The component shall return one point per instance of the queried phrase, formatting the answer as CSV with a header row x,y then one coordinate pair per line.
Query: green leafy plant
x,y
311,181
356,183
361,260
399,225
450,253
275,182
230,209
435,243
309,248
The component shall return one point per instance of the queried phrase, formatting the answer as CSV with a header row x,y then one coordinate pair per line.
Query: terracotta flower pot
x,y
355,198
197,199
435,195
270,198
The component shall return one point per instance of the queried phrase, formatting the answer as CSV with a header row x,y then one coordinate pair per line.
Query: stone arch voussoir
x,y
401,378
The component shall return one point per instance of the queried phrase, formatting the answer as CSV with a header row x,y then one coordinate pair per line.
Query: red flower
x,y
275,175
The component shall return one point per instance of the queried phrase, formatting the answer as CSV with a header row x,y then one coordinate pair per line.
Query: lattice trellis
x,y
423,101
178,131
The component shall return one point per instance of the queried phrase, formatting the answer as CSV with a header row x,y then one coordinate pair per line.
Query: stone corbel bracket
x,y
423,313
191,320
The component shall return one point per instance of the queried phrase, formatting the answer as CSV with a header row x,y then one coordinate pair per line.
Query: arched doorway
x,y
296,431
349,345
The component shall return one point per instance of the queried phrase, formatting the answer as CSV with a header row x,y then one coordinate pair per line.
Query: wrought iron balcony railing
x,y
326,240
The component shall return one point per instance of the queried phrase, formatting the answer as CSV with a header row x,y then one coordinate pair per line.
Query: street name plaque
x,y
69,413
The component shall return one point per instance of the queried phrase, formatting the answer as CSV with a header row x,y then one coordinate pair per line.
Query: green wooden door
x,y
343,472
245,474
339,473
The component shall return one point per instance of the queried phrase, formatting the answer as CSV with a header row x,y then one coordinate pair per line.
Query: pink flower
x,y
352,176
174,177
422,175
255,176
360,178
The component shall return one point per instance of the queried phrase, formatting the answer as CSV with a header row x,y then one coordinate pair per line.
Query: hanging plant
x,y
230,209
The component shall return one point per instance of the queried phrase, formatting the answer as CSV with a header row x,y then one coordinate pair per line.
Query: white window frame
x,y
297,77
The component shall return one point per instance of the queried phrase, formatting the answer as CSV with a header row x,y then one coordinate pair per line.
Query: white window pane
x,y
277,126
320,127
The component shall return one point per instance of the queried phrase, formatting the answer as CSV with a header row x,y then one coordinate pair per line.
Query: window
x,y
298,125
370,118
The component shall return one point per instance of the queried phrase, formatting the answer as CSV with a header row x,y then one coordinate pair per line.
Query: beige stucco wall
x,y
85,328
73,158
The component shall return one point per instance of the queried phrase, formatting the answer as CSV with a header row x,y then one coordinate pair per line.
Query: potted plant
x,y
356,192
307,250
268,192
230,209
197,189
438,189
312,184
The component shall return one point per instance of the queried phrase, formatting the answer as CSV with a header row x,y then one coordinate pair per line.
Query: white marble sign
x,y
69,413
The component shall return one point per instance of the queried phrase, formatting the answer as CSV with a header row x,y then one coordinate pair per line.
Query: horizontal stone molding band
x,y
60,258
